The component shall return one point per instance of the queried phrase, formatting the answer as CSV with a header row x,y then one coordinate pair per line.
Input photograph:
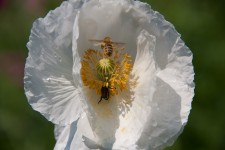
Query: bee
x,y
104,92
107,46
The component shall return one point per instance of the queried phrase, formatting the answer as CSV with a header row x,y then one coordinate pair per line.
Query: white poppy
x,y
138,97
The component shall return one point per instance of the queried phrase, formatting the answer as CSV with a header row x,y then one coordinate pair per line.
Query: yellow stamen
x,y
112,73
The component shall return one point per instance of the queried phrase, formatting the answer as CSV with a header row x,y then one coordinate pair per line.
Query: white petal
x,y
63,135
48,77
78,135
161,104
98,19
179,75
132,123
164,32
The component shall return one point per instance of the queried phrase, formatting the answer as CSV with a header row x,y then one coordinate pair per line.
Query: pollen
x,y
112,72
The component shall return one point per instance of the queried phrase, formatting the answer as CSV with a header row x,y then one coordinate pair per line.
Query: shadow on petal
x,y
73,130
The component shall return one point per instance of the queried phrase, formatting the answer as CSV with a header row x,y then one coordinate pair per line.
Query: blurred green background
x,y
202,26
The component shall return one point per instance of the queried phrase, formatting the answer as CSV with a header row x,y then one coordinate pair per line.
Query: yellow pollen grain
x,y
123,130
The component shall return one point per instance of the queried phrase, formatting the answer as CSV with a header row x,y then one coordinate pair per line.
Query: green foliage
x,y
21,128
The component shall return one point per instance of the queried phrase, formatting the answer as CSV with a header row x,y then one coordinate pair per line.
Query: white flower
x,y
157,88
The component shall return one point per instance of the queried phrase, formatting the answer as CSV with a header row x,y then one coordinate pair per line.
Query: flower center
x,y
106,71
105,67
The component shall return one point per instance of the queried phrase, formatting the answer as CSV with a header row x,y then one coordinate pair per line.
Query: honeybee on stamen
x,y
106,70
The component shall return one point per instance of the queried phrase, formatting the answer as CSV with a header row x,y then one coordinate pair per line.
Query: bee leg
x,y
100,100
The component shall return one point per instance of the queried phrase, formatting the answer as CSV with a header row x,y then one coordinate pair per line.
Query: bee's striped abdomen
x,y
108,49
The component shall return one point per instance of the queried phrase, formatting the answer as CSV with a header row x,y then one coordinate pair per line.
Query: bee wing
x,y
99,42
95,42
118,44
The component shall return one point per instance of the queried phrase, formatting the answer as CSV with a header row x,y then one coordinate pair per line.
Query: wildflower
x,y
137,96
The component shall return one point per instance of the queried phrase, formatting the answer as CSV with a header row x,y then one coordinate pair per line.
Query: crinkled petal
x,y
48,79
